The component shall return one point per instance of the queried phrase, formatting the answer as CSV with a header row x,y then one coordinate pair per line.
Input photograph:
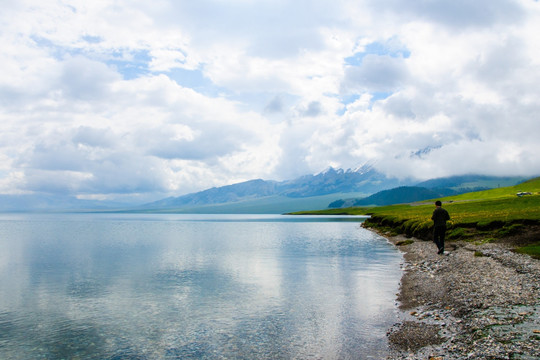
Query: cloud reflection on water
x,y
126,288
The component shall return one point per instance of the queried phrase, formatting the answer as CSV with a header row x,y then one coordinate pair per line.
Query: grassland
x,y
483,216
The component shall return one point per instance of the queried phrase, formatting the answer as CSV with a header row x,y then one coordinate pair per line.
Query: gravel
x,y
477,301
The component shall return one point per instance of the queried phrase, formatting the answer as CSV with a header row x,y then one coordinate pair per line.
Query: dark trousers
x,y
438,237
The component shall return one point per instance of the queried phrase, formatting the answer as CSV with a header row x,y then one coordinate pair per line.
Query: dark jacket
x,y
440,216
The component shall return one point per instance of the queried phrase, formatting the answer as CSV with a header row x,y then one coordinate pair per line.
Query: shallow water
x,y
124,286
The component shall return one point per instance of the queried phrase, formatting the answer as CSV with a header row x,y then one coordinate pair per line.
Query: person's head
x,y
438,203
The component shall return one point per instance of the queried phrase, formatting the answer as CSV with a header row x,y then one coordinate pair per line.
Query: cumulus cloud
x,y
456,14
312,109
84,79
93,137
275,105
103,99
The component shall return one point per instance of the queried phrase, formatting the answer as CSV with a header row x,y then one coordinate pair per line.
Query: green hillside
x,y
532,186
485,215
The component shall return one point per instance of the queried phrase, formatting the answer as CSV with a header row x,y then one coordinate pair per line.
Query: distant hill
x,y
430,189
402,194
471,182
231,193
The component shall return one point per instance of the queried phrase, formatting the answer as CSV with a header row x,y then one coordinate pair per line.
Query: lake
x,y
133,286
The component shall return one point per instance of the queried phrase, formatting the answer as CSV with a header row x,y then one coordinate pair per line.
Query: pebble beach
x,y
476,301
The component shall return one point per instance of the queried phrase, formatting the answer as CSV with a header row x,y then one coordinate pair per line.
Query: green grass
x,y
532,250
532,185
489,214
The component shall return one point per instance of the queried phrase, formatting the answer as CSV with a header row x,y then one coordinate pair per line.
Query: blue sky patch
x,y
58,52
349,99
377,48
380,95
92,39
131,68
194,79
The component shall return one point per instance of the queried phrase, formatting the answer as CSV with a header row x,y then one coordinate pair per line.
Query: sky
x,y
118,99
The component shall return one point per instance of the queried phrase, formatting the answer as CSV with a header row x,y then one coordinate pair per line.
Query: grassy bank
x,y
484,215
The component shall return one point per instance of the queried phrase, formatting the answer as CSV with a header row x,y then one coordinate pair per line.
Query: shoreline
x,y
478,301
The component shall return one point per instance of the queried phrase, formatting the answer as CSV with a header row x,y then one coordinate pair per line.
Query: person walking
x,y
439,217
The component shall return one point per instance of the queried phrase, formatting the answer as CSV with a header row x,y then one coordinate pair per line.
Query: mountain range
x,y
330,188
362,186
361,182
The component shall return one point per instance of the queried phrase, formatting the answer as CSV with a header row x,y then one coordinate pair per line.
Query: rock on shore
x,y
477,301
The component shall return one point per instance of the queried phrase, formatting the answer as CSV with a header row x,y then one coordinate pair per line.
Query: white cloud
x,y
85,80
377,73
90,103
460,15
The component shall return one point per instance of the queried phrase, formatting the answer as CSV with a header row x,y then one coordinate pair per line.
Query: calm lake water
x,y
124,286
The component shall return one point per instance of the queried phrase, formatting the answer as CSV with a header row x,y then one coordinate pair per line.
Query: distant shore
x,y
478,301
